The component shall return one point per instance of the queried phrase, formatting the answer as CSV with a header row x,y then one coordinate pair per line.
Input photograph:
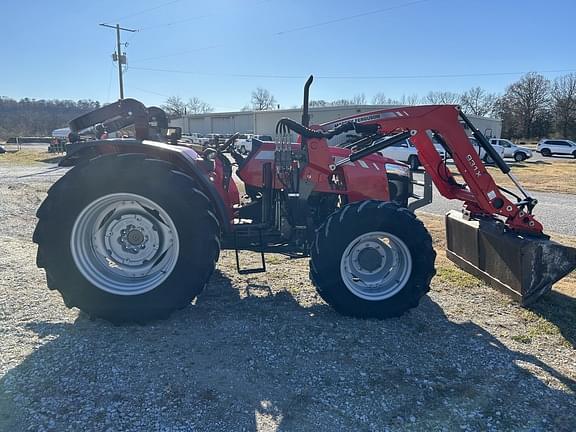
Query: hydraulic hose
x,y
285,124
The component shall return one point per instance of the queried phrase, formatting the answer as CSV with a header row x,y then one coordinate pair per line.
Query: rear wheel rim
x,y
376,266
124,244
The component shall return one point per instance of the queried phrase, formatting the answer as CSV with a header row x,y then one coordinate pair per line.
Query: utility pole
x,y
118,56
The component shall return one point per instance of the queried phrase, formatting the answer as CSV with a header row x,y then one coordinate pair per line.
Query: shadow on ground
x,y
250,363
560,310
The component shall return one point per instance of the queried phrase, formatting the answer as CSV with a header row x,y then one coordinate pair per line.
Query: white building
x,y
264,122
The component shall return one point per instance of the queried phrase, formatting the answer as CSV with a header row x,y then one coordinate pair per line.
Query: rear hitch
x,y
524,267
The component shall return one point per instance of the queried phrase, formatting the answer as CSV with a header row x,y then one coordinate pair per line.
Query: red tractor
x,y
134,230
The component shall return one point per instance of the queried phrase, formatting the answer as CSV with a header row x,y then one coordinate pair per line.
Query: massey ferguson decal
x,y
361,119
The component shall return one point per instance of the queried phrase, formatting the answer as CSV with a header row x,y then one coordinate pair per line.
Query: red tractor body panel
x,y
363,179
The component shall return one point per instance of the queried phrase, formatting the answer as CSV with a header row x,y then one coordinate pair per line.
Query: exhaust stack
x,y
523,267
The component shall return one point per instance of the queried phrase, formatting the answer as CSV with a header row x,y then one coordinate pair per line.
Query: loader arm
x,y
479,192
514,256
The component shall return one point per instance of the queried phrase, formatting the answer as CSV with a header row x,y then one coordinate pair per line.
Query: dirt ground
x,y
265,353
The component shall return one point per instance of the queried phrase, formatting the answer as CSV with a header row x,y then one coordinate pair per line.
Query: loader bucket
x,y
523,267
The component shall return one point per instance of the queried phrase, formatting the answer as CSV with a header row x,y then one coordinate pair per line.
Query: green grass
x,y
454,276
525,339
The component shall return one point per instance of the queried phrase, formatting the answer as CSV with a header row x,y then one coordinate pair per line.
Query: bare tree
x,y
528,100
380,99
340,102
175,107
359,99
478,101
412,99
262,100
443,97
198,106
564,103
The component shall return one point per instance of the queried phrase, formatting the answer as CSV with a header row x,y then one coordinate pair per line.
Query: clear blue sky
x,y
55,49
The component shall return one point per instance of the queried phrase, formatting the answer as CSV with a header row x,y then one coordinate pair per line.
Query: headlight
x,y
399,170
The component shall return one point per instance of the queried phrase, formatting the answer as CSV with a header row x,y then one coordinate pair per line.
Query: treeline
x,y
29,117
535,107
532,107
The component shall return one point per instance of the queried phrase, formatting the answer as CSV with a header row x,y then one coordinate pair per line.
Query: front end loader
x,y
134,230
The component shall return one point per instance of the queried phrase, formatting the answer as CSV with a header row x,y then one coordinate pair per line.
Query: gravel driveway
x,y
264,353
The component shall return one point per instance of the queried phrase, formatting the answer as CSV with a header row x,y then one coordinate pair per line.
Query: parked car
x,y
512,150
405,151
244,142
480,150
549,147
196,138
214,138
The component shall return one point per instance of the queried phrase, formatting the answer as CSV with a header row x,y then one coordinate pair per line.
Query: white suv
x,y
512,150
549,147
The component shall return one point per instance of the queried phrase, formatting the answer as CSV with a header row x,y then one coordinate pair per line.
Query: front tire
x,y
519,157
546,152
127,239
372,259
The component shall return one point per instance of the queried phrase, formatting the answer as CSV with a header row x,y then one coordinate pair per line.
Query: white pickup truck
x,y
195,138
483,155
511,150
404,151
244,142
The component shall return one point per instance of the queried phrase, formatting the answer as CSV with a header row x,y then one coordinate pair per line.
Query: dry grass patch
x,y
540,176
28,157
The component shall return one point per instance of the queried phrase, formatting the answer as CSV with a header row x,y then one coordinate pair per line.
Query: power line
x,y
167,96
350,17
197,17
283,32
349,77
125,17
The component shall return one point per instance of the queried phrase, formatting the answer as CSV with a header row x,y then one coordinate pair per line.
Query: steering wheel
x,y
228,143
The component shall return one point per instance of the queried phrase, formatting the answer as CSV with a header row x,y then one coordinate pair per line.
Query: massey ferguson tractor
x,y
134,230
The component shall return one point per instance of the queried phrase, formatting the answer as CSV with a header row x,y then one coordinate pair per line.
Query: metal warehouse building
x,y
264,122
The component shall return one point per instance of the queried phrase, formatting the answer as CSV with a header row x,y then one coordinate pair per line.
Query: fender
x,y
184,158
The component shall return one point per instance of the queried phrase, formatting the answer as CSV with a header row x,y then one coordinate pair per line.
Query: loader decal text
x,y
475,167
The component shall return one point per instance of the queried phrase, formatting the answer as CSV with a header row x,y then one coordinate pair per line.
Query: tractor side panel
x,y
363,179
366,179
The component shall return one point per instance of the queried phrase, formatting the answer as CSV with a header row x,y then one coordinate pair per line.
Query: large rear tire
x,y
372,259
127,239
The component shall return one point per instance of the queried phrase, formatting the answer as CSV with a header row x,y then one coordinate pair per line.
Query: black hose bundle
x,y
285,125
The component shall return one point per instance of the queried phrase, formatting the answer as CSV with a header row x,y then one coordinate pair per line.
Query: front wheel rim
x,y
124,244
376,266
